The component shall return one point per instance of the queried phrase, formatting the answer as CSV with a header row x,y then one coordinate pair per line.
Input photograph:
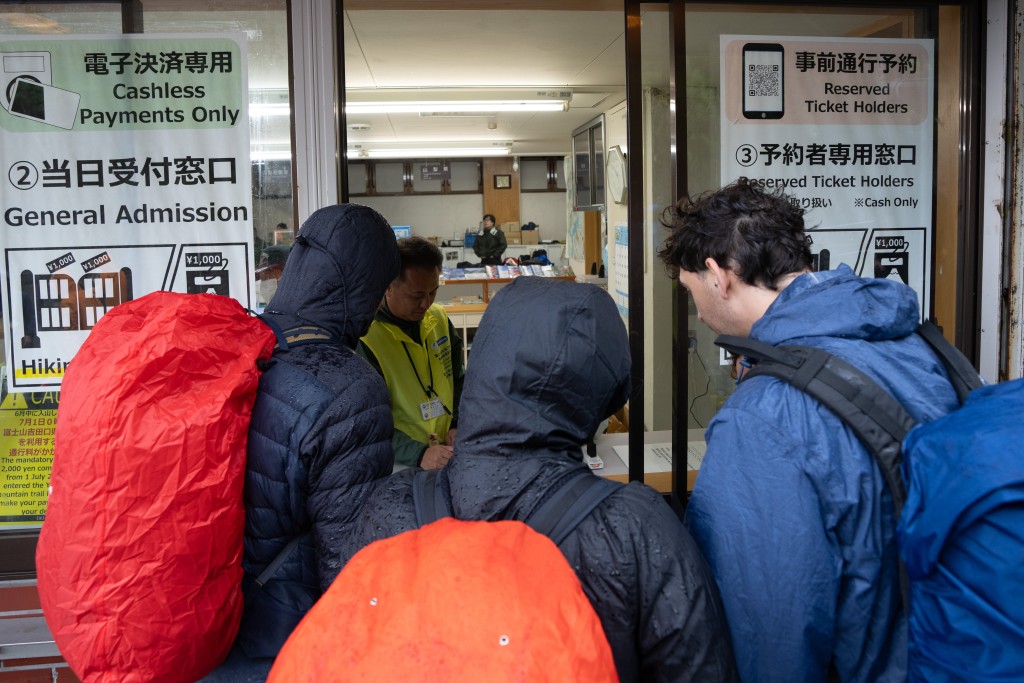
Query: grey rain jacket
x,y
321,425
549,362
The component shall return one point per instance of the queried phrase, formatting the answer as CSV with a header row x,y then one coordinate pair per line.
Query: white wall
x,y
443,216
451,215
547,210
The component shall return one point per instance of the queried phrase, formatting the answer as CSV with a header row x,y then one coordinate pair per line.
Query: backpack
x,y
452,601
139,559
957,485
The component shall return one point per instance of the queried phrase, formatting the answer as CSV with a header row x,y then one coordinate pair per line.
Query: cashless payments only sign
x,y
125,170
844,127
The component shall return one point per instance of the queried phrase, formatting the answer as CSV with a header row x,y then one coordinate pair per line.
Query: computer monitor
x,y
402,231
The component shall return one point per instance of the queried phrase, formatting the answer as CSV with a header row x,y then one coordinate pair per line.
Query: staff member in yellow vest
x,y
414,346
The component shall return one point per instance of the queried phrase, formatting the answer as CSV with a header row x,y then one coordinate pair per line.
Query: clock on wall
x,y
616,175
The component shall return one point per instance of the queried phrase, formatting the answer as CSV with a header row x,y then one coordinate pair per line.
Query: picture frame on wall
x,y
502,182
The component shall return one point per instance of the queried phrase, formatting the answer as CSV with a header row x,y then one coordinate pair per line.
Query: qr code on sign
x,y
763,80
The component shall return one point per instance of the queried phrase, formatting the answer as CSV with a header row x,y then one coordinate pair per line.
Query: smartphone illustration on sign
x,y
763,81
37,101
14,65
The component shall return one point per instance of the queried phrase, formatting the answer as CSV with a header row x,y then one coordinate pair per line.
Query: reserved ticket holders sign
x,y
845,127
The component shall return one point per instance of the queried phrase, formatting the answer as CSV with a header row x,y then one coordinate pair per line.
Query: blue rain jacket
x,y
962,539
792,512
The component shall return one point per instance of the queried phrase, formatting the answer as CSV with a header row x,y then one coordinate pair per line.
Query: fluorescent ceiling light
x,y
481,107
468,100
430,152
258,109
269,155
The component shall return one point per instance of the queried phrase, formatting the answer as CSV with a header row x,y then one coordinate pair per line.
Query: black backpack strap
x,y
962,374
556,517
878,420
428,498
570,504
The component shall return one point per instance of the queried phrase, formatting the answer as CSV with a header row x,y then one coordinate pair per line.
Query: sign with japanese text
x,y
844,126
125,170
27,425
435,170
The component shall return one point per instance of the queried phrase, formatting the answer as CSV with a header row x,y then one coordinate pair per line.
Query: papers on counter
x,y
658,456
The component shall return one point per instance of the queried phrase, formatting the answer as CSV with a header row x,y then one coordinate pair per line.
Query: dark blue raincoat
x,y
321,426
790,509
549,362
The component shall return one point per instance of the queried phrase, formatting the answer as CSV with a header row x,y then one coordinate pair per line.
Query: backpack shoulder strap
x,y
570,504
878,420
556,517
298,336
428,498
962,374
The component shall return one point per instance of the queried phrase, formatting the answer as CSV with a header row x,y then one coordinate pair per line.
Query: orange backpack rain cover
x,y
452,601
139,560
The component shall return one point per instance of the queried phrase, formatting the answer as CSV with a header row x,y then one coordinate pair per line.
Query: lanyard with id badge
x,y
433,407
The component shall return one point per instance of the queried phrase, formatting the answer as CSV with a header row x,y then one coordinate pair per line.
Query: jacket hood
x,y
343,260
550,361
839,303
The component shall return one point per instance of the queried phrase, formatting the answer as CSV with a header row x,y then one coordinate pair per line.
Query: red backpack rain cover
x,y
452,601
139,561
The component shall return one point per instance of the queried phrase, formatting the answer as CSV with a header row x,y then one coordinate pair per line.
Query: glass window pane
x,y
357,177
581,153
533,174
390,176
710,381
265,25
465,176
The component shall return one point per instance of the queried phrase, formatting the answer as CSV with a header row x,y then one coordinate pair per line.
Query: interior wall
x,y
443,216
547,211
452,215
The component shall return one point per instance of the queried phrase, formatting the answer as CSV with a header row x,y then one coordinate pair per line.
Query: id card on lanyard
x,y
432,409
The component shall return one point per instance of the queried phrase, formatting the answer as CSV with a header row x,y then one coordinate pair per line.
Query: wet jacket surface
x,y
550,361
321,426
790,509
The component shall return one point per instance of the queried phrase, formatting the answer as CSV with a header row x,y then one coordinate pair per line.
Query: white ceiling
x,y
579,49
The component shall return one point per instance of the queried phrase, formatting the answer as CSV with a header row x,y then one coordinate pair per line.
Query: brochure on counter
x,y
506,272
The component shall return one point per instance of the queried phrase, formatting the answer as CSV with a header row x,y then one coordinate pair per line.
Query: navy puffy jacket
x,y
321,427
